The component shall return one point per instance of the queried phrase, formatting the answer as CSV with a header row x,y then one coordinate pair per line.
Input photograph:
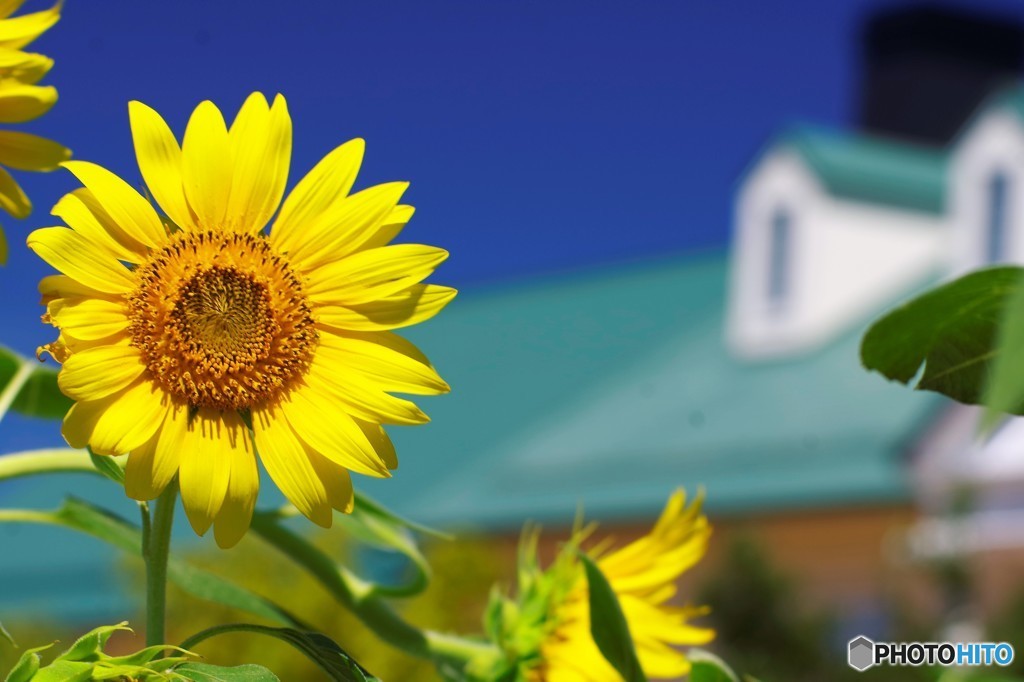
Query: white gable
x,y
844,260
987,221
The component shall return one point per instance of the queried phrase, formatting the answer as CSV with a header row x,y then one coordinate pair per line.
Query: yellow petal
x,y
30,152
88,319
381,443
379,357
9,7
21,103
145,476
76,256
328,182
131,420
12,198
159,158
325,428
243,488
373,274
204,467
124,205
287,462
82,213
24,67
416,304
18,32
336,481
390,227
360,398
98,372
261,149
61,286
345,226
206,166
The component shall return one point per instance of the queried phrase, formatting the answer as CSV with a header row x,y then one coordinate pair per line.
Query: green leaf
x,y
84,517
27,666
951,330
709,668
204,672
322,650
39,396
6,635
1004,391
89,646
374,525
608,624
108,466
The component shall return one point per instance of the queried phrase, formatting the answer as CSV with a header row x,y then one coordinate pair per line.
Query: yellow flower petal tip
x,y
550,622
198,341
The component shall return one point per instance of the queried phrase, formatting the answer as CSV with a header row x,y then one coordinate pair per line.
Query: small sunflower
x,y
545,633
197,342
21,100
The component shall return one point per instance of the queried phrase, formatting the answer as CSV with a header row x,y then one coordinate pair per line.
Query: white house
x,y
832,228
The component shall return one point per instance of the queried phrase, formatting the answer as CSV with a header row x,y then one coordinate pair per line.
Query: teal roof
x,y
874,169
609,388
613,387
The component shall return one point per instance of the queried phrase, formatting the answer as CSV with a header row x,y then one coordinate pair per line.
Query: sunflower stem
x,y
155,550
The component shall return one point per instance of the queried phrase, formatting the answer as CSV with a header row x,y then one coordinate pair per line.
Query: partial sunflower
x,y
21,100
193,340
545,632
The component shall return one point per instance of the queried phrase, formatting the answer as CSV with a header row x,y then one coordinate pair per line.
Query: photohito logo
x,y
864,653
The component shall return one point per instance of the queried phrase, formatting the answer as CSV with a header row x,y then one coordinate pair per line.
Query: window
x,y
778,264
997,232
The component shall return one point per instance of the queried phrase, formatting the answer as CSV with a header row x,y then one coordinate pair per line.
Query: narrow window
x,y
778,265
997,218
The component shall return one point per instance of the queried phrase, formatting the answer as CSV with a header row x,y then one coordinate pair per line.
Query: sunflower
x,y
21,100
643,575
197,342
545,633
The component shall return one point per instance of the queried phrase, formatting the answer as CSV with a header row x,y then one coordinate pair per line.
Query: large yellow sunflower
x,y
21,100
195,342
643,575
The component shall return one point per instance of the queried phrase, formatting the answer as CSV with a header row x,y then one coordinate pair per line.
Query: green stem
x,y
364,602
155,550
14,386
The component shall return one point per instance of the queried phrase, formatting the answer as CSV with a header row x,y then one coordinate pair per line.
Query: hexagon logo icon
x,y
862,653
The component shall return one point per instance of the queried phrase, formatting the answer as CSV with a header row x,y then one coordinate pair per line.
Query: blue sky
x,y
538,136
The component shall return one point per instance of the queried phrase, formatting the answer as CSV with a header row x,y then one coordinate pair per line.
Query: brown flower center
x,y
221,320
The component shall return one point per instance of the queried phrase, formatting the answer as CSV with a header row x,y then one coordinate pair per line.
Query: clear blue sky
x,y
538,136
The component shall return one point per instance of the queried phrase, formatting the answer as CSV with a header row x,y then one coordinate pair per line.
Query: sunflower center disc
x,y
221,320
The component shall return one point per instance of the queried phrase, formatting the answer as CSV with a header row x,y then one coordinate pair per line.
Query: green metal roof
x,y
608,387
873,169
613,387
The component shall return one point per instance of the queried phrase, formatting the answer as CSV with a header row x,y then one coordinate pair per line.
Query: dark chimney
x,y
927,68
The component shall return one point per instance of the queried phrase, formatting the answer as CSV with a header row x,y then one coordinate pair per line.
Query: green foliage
x,y
608,625
953,331
86,660
709,668
39,396
322,650
204,672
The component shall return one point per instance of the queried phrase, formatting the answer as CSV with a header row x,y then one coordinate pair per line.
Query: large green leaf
x,y
320,649
608,624
39,396
950,330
